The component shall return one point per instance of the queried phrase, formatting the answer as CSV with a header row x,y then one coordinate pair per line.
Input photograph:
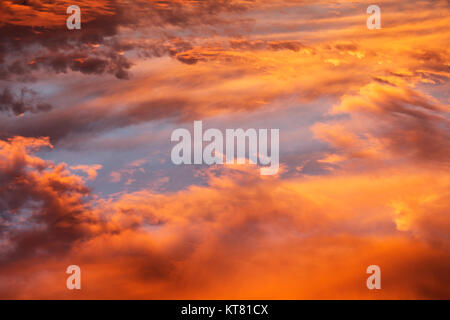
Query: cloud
x,y
384,199
43,207
389,121
90,170
37,31
222,59
18,104
153,245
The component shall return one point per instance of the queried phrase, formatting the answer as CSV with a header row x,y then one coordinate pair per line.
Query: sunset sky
x,y
86,176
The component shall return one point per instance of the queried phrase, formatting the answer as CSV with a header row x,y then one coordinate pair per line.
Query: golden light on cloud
x,y
86,175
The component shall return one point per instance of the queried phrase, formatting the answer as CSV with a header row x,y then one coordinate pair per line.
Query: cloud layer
x,y
364,122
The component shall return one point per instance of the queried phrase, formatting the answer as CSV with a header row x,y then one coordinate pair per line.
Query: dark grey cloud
x,y
21,102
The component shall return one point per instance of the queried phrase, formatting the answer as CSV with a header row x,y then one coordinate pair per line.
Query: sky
x,y
86,176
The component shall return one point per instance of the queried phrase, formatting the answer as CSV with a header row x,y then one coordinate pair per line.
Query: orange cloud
x,y
385,200
43,206
247,237
389,122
